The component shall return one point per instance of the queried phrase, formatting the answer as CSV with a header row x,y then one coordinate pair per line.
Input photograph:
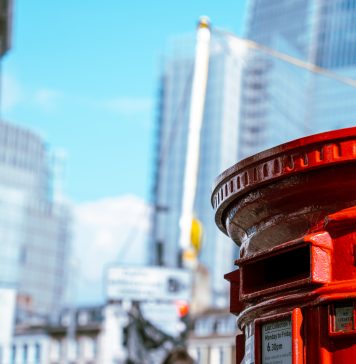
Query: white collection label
x,y
249,350
344,318
277,342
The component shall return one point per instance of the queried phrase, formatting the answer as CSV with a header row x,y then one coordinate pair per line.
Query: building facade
x,y
34,229
212,339
218,150
73,336
282,100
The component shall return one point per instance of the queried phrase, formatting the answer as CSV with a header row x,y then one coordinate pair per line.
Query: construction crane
x,y
199,84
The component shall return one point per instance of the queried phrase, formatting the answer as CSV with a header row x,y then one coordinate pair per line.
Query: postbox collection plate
x,y
344,318
276,342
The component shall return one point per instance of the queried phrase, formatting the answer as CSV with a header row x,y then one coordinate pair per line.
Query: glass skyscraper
x,y
257,97
281,99
34,230
218,150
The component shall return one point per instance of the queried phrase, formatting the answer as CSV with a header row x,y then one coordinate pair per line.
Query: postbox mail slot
x,y
292,266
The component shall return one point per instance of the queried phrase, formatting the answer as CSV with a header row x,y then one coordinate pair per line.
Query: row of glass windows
x,y
11,136
215,354
82,348
24,354
57,351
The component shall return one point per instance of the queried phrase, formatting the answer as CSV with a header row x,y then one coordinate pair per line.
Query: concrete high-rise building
x,y
34,230
281,100
218,150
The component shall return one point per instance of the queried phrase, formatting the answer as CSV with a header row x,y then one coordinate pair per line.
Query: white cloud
x,y
16,94
128,105
112,230
47,99
12,92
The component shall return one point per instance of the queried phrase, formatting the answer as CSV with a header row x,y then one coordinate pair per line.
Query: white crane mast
x,y
200,79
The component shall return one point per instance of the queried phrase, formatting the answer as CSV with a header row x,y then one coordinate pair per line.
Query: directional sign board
x,y
277,342
148,283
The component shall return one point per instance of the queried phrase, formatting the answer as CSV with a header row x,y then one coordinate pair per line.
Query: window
x,y
37,353
221,356
25,353
13,354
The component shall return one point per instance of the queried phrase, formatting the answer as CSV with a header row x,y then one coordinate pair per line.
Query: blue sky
x,y
84,75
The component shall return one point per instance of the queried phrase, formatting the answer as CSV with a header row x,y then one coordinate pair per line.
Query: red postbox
x,y
292,211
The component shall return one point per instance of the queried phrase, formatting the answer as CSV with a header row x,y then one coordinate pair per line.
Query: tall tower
x,y
34,230
282,101
218,148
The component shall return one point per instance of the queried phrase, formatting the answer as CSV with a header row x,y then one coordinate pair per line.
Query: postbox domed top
x,y
291,180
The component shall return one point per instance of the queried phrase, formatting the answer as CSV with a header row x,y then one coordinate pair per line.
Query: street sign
x,y
164,316
148,283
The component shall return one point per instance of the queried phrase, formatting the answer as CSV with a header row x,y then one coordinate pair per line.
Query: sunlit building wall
x,y
218,151
34,230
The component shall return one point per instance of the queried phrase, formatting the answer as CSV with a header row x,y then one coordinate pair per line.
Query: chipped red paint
x,y
292,211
